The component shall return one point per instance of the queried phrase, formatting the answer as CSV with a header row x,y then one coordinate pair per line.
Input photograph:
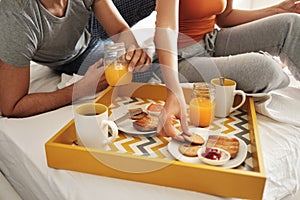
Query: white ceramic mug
x,y
91,122
224,97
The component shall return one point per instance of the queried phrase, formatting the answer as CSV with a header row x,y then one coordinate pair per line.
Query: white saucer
x,y
173,148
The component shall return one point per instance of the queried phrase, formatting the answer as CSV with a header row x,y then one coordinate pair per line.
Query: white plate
x,y
127,127
239,159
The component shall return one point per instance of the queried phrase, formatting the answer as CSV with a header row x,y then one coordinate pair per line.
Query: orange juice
x,y
201,111
117,74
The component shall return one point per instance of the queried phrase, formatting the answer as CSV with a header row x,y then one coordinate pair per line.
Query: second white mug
x,y
224,97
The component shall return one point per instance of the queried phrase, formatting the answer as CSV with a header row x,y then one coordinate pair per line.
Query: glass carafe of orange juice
x,y
116,66
202,104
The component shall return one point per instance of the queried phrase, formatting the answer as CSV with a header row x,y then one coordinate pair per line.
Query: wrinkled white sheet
x,y
281,155
282,105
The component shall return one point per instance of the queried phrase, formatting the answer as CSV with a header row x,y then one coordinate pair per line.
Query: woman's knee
x,y
271,73
289,22
290,18
256,72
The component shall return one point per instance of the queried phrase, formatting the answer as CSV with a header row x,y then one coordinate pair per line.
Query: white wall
x,y
242,4
264,3
250,4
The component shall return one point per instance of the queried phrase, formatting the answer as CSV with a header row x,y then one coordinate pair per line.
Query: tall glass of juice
x,y
202,104
116,66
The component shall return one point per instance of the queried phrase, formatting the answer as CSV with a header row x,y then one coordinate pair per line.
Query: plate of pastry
x,y
138,123
188,151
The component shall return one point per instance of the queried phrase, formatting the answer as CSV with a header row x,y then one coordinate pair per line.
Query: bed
x,y
23,159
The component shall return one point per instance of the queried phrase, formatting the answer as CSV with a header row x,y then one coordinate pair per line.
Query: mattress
x,y
23,158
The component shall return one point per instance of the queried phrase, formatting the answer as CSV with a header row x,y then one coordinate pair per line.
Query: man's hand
x,y
93,81
138,59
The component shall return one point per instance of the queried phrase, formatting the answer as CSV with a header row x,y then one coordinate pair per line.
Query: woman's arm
x,y
232,17
166,35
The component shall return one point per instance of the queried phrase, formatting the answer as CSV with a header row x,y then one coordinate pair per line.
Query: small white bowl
x,y
213,156
157,108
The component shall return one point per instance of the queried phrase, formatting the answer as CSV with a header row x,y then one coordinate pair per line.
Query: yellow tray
x,y
246,181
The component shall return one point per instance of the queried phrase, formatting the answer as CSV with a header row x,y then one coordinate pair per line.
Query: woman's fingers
x,y
166,127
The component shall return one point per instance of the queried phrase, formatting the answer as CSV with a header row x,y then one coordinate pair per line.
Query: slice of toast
x,y
227,143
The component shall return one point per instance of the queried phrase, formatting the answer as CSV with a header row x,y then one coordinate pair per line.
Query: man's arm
x,y
119,31
15,101
132,12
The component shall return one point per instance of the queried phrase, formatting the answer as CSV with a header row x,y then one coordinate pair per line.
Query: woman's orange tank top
x,y
196,18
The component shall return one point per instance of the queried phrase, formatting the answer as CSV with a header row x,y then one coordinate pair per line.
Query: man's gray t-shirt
x,y
29,32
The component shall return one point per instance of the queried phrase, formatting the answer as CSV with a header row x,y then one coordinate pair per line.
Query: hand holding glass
x,y
116,66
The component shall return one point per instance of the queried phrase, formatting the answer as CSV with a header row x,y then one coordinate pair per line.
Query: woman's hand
x,y
289,6
174,109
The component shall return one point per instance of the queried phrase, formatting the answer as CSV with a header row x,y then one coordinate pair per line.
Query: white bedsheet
x,y
23,159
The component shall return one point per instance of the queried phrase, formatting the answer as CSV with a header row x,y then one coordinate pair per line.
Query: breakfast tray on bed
x,y
145,158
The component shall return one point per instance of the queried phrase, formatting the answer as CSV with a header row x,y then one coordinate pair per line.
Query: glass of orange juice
x,y
202,104
116,66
